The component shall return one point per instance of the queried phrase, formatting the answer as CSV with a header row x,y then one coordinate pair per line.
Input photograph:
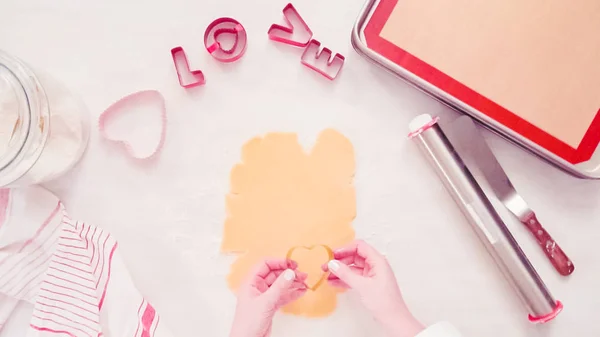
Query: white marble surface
x,y
168,217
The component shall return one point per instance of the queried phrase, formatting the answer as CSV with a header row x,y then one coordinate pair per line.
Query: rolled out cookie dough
x,y
281,197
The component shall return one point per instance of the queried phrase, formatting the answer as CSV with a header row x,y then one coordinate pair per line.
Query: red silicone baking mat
x,y
578,151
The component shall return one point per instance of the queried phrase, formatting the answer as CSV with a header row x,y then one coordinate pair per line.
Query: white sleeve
x,y
442,329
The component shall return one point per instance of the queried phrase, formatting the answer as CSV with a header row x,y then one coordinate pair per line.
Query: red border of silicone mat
x,y
582,153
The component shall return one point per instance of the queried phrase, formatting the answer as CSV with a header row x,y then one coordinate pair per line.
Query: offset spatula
x,y
475,149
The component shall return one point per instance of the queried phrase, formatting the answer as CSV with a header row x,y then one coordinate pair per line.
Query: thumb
x,y
281,284
344,273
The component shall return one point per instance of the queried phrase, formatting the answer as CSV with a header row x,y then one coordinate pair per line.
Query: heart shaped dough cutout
x,y
310,259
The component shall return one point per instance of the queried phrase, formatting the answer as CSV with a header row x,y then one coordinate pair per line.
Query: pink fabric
x,y
146,324
4,193
70,272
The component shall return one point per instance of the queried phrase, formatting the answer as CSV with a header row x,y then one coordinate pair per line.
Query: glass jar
x,y
44,130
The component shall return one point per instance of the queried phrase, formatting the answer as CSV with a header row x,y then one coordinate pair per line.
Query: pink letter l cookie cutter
x,y
198,75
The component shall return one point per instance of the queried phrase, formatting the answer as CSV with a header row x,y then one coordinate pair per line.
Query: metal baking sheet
x,y
588,168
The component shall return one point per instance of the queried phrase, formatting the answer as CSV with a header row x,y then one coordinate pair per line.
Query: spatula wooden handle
x,y
555,254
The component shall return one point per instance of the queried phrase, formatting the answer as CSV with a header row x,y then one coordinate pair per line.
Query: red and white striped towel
x,y
69,271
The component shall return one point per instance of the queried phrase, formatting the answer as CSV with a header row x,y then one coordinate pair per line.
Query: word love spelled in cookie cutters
x,y
226,40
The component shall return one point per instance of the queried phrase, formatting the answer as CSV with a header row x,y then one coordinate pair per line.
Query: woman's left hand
x,y
272,285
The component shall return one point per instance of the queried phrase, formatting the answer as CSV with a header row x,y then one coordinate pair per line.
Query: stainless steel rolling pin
x,y
485,219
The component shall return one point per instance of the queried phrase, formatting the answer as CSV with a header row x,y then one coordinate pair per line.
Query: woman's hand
x,y
273,284
360,267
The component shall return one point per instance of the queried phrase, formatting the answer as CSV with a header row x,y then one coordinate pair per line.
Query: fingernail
x,y
333,265
289,275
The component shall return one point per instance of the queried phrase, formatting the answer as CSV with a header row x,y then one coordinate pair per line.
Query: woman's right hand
x,y
360,267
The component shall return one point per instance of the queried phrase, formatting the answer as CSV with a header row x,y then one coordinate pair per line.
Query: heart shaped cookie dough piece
x,y
310,259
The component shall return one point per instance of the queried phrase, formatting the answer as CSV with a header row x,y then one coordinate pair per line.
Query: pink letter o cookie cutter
x,y
219,29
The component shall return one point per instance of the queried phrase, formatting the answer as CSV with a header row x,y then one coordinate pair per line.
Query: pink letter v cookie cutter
x,y
284,34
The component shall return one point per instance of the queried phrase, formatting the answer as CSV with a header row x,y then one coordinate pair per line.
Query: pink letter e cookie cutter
x,y
313,57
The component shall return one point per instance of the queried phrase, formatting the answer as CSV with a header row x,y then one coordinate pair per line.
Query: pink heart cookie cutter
x,y
114,110
217,44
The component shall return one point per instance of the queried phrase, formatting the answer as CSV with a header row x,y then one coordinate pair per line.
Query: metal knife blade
x,y
474,145
475,152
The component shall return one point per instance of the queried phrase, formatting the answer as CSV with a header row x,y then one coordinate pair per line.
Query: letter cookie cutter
x,y
334,62
285,33
196,75
220,27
